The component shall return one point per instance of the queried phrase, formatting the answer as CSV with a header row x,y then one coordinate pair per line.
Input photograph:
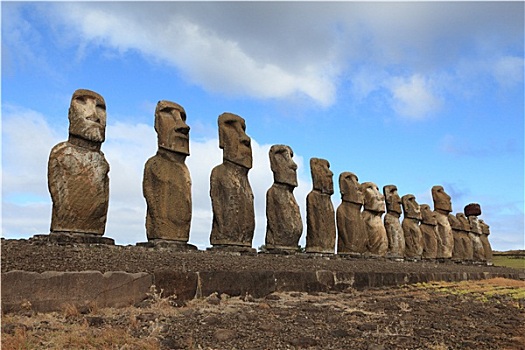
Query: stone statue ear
x,y
221,136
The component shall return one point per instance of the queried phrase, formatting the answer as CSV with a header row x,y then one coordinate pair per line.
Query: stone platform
x,y
52,291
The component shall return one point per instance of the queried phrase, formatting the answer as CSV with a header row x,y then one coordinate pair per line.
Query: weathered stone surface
x,y
485,232
51,291
351,234
167,183
394,230
304,281
472,209
374,207
177,246
442,207
283,217
320,215
230,190
475,237
257,284
465,237
78,171
428,227
71,239
458,253
413,235
181,284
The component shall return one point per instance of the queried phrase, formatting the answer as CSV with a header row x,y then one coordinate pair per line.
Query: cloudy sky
x,y
413,94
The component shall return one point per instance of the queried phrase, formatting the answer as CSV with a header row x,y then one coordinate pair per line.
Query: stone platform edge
x,y
54,291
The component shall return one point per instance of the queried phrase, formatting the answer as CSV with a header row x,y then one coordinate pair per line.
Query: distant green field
x,y
509,261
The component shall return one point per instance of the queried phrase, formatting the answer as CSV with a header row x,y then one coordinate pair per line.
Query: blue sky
x,y
413,94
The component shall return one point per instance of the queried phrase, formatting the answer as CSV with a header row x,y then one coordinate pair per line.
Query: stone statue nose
x,y
181,127
245,140
93,117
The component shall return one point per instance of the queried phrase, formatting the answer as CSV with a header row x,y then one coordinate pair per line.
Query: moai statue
x,y
394,230
465,235
458,252
283,218
472,211
231,195
373,210
428,227
166,185
320,216
413,235
442,207
485,232
78,173
351,235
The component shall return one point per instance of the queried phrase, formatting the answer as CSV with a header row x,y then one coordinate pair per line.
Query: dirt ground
x,y
487,314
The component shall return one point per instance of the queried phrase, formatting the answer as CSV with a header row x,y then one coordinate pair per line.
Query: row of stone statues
x,y
79,185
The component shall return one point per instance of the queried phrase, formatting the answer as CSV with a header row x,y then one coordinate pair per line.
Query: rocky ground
x,y
488,314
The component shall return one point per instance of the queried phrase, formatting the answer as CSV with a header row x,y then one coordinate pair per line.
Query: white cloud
x,y
508,71
280,50
413,97
27,140
219,64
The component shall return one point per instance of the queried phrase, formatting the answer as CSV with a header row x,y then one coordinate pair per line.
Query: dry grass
x,y
482,290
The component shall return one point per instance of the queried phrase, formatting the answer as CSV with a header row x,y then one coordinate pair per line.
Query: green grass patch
x,y
509,261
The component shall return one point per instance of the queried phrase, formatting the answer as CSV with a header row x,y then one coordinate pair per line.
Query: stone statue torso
x,y
352,237
232,204
284,225
320,217
167,190
79,185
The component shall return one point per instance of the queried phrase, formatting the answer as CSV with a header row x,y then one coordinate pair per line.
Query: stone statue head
x,y
234,142
427,215
350,188
454,222
441,199
171,128
373,199
411,207
485,229
283,167
322,176
87,116
465,224
393,201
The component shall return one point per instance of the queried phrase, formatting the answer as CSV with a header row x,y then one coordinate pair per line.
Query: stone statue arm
x,y
55,174
217,198
147,190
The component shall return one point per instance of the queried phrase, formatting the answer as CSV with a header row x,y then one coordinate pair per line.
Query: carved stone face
x,y
411,207
393,201
427,215
350,188
322,176
233,140
171,128
485,229
454,222
87,116
374,200
465,224
441,199
283,167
